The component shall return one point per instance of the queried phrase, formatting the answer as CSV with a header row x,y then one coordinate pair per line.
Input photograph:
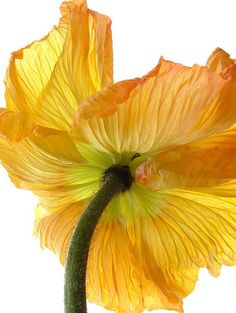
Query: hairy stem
x,y
116,180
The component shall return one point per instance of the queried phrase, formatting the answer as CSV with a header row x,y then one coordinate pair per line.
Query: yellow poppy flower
x,y
66,122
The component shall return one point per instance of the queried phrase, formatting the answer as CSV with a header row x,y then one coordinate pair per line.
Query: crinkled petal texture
x,y
172,105
51,77
15,125
118,277
40,162
220,62
148,247
179,215
205,165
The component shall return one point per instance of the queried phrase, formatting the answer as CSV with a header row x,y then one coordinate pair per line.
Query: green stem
x,y
116,180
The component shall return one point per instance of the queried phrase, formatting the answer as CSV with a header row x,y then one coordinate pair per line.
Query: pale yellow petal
x,y
51,77
172,105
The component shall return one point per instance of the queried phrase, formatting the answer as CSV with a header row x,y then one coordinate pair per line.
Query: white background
x,y
31,280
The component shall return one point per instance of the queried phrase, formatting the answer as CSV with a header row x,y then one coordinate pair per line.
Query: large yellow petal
x,y
203,164
170,106
189,230
42,164
51,77
116,279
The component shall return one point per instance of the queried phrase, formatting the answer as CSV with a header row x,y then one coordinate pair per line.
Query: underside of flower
x,y
166,140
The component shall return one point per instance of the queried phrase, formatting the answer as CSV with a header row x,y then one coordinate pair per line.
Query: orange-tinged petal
x,y
101,49
51,77
219,61
202,164
172,105
105,103
15,125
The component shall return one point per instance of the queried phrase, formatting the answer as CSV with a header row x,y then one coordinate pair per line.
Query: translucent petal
x,y
117,281
189,230
55,229
50,77
170,106
49,164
